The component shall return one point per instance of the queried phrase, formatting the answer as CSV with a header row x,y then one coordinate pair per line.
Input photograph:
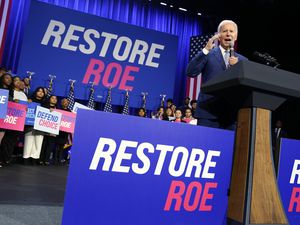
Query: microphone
x,y
231,50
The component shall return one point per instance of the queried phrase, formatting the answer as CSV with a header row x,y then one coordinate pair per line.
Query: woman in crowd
x,y
49,139
10,137
178,117
34,138
188,118
142,112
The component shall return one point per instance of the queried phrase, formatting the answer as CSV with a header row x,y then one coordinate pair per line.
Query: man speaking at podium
x,y
211,61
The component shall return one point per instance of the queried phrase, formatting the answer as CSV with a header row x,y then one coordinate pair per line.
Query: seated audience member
x,y
178,117
186,104
193,107
159,114
169,114
169,102
188,118
142,112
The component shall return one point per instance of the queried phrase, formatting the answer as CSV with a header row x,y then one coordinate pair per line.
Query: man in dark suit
x,y
210,62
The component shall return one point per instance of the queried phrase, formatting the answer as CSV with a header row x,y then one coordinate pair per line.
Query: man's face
x,y
64,103
227,34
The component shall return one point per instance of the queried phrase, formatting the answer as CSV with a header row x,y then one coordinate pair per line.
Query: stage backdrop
x,y
86,48
155,172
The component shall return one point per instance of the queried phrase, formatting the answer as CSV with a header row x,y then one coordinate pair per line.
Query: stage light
x,y
183,9
163,3
199,14
171,6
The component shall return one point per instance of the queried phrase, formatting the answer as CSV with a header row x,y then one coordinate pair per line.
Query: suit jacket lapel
x,y
219,57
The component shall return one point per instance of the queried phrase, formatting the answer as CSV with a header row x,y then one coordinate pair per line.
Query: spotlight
x,y
163,3
199,14
182,9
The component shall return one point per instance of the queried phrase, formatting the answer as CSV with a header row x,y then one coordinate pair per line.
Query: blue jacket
x,y
209,66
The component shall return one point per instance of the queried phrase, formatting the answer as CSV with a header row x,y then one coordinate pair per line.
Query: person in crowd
x,y
169,114
188,118
142,112
33,139
49,140
169,102
3,71
186,104
22,87
5,82
11,137
159,114
210,62
61,139
178,117
26,81
16,92
193,107
173,107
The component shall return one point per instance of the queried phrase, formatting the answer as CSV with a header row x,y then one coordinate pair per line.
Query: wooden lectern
x,y
255,90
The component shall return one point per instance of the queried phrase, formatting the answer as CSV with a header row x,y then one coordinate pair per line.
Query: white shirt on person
x,y
20,95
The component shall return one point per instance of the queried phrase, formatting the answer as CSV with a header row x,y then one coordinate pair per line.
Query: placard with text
x,y
131,171
87,48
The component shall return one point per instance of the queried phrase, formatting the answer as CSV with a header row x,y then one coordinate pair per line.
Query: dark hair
x,y
170,100
193,101
2,79
33,97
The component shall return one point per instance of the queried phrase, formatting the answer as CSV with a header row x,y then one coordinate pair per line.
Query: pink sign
x,y
15,117
67,122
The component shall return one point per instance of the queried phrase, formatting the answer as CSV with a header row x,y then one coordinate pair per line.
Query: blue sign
x,y
3,102
87,48
131,171
30,115
289,179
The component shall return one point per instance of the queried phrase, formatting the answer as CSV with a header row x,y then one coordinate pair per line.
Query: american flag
x,y
49,89
126,106
193,85
107,106
71,97
5,7
91,102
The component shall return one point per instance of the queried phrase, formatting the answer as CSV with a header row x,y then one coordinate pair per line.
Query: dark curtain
x,y
141,13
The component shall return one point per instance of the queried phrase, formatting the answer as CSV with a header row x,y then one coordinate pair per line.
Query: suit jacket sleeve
x,y
197,64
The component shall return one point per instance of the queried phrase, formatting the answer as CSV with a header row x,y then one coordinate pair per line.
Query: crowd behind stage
x,y
33,147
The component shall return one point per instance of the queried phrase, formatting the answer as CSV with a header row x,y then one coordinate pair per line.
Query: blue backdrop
x,y
87,48
128,11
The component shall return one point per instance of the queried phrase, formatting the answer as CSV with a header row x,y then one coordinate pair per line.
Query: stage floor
x,y
32,195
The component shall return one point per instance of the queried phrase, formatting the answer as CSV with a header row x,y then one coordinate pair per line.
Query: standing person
x,y
49,139
10,137
33,138
210,62
5,82
61,139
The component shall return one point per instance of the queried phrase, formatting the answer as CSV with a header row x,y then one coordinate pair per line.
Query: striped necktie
x,y
226,58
